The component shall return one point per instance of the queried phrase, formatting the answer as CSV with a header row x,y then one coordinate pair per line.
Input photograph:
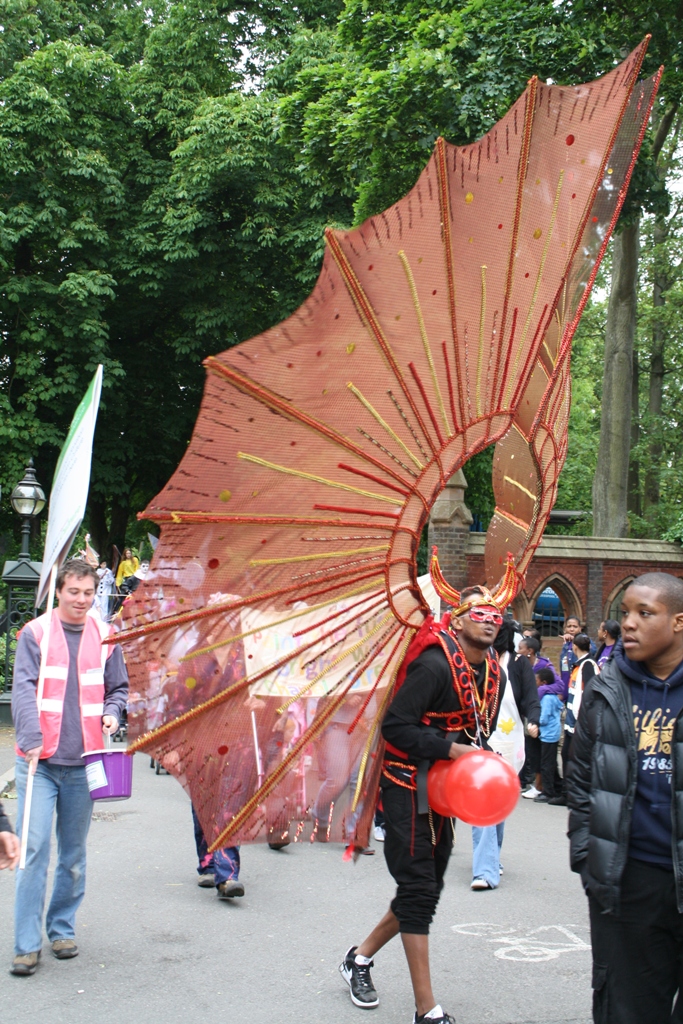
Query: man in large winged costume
x,y
447,699
289,532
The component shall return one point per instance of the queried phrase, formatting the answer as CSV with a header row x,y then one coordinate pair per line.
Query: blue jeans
x,y
486,844
63,789
223,864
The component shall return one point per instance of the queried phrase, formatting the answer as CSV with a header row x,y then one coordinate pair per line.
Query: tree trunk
x,y
656,388
610,484
661,284
97,523
634,502
120,510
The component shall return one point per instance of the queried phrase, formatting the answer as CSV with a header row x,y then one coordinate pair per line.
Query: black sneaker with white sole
x,y
357,977
440,1018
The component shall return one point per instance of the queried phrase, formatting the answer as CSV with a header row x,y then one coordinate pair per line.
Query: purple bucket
x,y
109,774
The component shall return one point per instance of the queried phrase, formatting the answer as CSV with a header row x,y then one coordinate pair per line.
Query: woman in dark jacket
x,y
487,842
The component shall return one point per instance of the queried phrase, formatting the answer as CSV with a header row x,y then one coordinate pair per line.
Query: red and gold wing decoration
x,y
264,644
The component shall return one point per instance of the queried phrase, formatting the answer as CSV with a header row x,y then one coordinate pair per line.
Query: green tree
x,y
147,220
366,117
167,169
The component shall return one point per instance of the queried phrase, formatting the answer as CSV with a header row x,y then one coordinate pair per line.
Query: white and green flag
x,y
71,483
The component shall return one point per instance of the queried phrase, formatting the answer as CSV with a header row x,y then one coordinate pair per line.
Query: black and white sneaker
x,y
357,977
435,1016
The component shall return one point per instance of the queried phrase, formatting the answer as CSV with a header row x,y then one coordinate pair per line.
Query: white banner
x,y
71,484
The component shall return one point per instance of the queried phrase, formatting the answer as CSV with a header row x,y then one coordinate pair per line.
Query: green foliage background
x,y
167,170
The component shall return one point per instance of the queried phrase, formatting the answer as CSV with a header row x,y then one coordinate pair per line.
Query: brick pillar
x,y
594,597
449,526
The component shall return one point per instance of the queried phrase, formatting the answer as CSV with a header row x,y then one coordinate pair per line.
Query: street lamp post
x,y
22,575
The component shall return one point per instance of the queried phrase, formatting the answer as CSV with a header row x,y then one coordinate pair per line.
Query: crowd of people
x,y
117,581
474,679
622,703
560,699
538,709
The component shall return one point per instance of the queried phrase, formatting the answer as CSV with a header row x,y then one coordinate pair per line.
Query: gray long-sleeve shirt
x,y
24,705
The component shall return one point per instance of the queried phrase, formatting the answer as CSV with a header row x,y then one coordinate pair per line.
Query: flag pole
x,y
257,751
39,700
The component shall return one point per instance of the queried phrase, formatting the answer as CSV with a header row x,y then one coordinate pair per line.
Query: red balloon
x,y
480,788
439,787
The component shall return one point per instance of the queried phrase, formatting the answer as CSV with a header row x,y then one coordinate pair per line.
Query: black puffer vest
x,y
601,788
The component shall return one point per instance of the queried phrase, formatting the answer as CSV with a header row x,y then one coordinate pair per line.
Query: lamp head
x,y
28,497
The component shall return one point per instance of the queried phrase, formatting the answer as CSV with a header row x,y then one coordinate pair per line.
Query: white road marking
x,y
529,945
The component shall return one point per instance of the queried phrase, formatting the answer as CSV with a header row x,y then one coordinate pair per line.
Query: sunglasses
x,y
479,614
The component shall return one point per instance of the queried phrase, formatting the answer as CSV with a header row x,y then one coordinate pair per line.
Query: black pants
x,y
532,760
638,953
566,750
548,767
416,864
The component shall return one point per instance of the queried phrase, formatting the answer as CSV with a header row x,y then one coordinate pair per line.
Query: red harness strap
x,y
474,710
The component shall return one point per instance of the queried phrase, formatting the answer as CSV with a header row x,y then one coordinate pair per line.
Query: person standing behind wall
x,y
568,659
608,634
86,689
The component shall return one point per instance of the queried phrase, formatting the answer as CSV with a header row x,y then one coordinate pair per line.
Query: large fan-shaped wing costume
x,y
264,645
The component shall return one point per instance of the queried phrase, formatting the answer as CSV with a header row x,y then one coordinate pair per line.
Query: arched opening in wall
x,y
555,599
548,613
613,602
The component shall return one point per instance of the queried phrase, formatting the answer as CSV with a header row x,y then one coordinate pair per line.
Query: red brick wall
x,y
575,570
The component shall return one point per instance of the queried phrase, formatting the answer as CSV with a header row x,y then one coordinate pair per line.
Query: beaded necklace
x,y
477,711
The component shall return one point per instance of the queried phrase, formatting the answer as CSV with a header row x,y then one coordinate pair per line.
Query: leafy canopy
x,y
167,170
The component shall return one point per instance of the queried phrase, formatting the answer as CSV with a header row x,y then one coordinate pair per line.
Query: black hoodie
x,y
656,705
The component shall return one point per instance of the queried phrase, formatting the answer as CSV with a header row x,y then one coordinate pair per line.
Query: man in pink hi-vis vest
x,y
85,693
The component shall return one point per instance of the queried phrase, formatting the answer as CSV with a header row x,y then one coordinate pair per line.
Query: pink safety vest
x,y
92,657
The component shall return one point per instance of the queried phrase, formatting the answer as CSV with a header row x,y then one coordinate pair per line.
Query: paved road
x,y
157,948
7,756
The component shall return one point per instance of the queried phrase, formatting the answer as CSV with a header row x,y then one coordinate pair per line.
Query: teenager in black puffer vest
x,y
625,793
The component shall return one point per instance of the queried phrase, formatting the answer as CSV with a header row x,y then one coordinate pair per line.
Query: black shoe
x,y
558,801
228,890
542,799
443,1018
357,976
